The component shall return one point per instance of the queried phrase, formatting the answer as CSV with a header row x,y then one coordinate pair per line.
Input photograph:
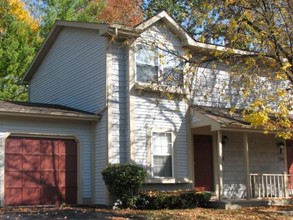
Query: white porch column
x,y
220,164
246,153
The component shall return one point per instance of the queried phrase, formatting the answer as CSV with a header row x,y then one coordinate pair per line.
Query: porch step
x,y
236,204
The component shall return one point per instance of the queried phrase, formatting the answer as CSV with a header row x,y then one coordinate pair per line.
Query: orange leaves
x,y
125,12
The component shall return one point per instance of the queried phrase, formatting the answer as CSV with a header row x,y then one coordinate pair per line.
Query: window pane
x,y
146,64
162,166
172,69
162,154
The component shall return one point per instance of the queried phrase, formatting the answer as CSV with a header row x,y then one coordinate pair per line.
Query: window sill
x,y
159,88
167,180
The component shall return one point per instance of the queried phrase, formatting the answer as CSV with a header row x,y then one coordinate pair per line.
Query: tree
x,y
125,12
71,10
18,42
263,30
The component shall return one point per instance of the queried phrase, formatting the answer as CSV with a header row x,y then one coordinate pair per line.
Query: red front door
x,y
290,160
40,171
203,163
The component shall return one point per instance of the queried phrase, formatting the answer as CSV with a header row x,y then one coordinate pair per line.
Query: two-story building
x,y
94,99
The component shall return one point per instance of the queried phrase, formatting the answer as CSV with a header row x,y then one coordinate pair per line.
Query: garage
x,y
40,171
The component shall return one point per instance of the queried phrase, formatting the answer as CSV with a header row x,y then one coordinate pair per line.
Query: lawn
x,y
67,212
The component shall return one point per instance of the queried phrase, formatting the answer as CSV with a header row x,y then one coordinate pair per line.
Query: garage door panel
x,y
31,146
31,196
13,146
13,196
13,162
68,163
31,162
49,162
50,179
49,147
31,179
40,171
13,179
51,196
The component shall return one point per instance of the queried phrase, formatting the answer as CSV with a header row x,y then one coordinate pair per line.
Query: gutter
x,y
53,116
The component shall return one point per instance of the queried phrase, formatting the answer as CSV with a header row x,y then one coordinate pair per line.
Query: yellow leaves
x,y
286,66
229,2
257,118
281,92
17,7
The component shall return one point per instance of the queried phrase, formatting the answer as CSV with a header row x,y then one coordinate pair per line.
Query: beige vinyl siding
x,y
58,128
73,72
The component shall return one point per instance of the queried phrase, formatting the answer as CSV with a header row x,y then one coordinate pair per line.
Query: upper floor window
x,y
154,65
162,154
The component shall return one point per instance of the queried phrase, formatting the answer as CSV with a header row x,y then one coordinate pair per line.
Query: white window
x,y
162,154
154,65
147,64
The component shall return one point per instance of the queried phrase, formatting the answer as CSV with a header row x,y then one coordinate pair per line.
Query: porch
x,y
249,167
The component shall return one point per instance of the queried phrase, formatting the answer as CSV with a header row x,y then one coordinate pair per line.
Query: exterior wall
x,y
151,110
101,160
73,72
216,85
264,157
58,128
118,100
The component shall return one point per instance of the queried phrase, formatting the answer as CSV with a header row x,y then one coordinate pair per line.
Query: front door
x,y
203,163
290,161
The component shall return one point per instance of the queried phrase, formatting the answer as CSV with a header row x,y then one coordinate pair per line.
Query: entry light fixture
x,y
281,146
224,139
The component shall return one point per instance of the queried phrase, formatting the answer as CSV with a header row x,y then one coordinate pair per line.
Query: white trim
x,y
109,98
131,109
173,135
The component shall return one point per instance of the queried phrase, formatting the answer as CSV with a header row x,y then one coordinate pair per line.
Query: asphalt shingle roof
x,y
30,108
223,116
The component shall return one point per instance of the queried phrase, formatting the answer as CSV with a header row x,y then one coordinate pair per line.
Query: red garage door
x,y
40,171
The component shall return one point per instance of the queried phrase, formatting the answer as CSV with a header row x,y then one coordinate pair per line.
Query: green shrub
x,y
124,182
173,199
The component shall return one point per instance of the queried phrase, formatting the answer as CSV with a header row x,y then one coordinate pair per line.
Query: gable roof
x,y
119,31
41,110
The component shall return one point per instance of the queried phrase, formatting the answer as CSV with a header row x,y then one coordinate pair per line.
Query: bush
x,y
172,199
124,182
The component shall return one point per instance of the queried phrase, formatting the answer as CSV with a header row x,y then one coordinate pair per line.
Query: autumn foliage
x,y
125,12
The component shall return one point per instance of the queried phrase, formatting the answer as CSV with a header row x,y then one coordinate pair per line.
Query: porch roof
x,y
218,118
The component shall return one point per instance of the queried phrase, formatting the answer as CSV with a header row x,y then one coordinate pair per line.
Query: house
x,y
101,106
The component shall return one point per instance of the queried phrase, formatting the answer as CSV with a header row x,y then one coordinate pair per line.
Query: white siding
x,y
151,111
79,130
101,160
74,71
118,101
263,158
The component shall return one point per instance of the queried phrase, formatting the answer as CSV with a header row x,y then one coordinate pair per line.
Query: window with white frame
x,y
162,154
154,65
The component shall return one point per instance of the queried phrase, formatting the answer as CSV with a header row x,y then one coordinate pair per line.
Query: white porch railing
x,y
271,185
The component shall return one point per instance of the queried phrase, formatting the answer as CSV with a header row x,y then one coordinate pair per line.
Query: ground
x,y
67,212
